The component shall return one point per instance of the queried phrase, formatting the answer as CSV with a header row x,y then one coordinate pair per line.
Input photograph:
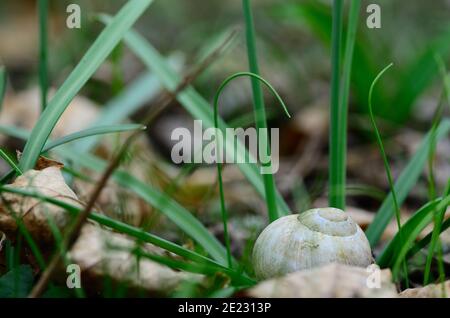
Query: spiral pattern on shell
x,y
313,238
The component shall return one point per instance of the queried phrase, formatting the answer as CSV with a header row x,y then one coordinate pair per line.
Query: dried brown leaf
x,y
330,281
101,253
33,212
430,291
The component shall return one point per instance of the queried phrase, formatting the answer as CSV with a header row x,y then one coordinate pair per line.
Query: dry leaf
x,y
32,211
330,281
101,253
429,291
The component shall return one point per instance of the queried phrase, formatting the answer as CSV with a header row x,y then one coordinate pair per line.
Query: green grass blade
x,y
426,240
439,216
385,161
336,191
141,90
93,58
91,132
194,103
131,98
200,261
405,182
219,147
396,251
259,108
25,233
118,226
341,154
200,268
162,202
43,51
10,162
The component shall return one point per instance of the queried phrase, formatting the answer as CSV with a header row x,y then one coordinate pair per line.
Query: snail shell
x,y
310,239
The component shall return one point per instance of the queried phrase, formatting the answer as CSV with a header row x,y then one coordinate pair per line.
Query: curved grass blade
x,y
94,57
219,148
193,102
386,163
405,182
91,132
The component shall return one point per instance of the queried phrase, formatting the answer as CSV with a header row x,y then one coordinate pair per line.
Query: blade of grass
x,y
198,268
133,97
405,182
426,240
93,58
43,51
397,249
341,154
79,292
439,215
194,103
23,231
259,108
96,131
386,163
160,201
219,148
10,162
336,196
23,134
438,218
126,229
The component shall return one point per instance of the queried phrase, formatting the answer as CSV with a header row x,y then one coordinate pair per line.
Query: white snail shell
x,y
310,239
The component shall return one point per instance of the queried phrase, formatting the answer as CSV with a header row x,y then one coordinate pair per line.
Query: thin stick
x,y
164,101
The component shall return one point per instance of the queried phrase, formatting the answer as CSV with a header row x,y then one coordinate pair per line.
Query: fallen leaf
x,y
429,291
101,253
32,211
330,281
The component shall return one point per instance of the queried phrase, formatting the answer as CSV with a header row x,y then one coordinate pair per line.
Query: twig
x,y
163,102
